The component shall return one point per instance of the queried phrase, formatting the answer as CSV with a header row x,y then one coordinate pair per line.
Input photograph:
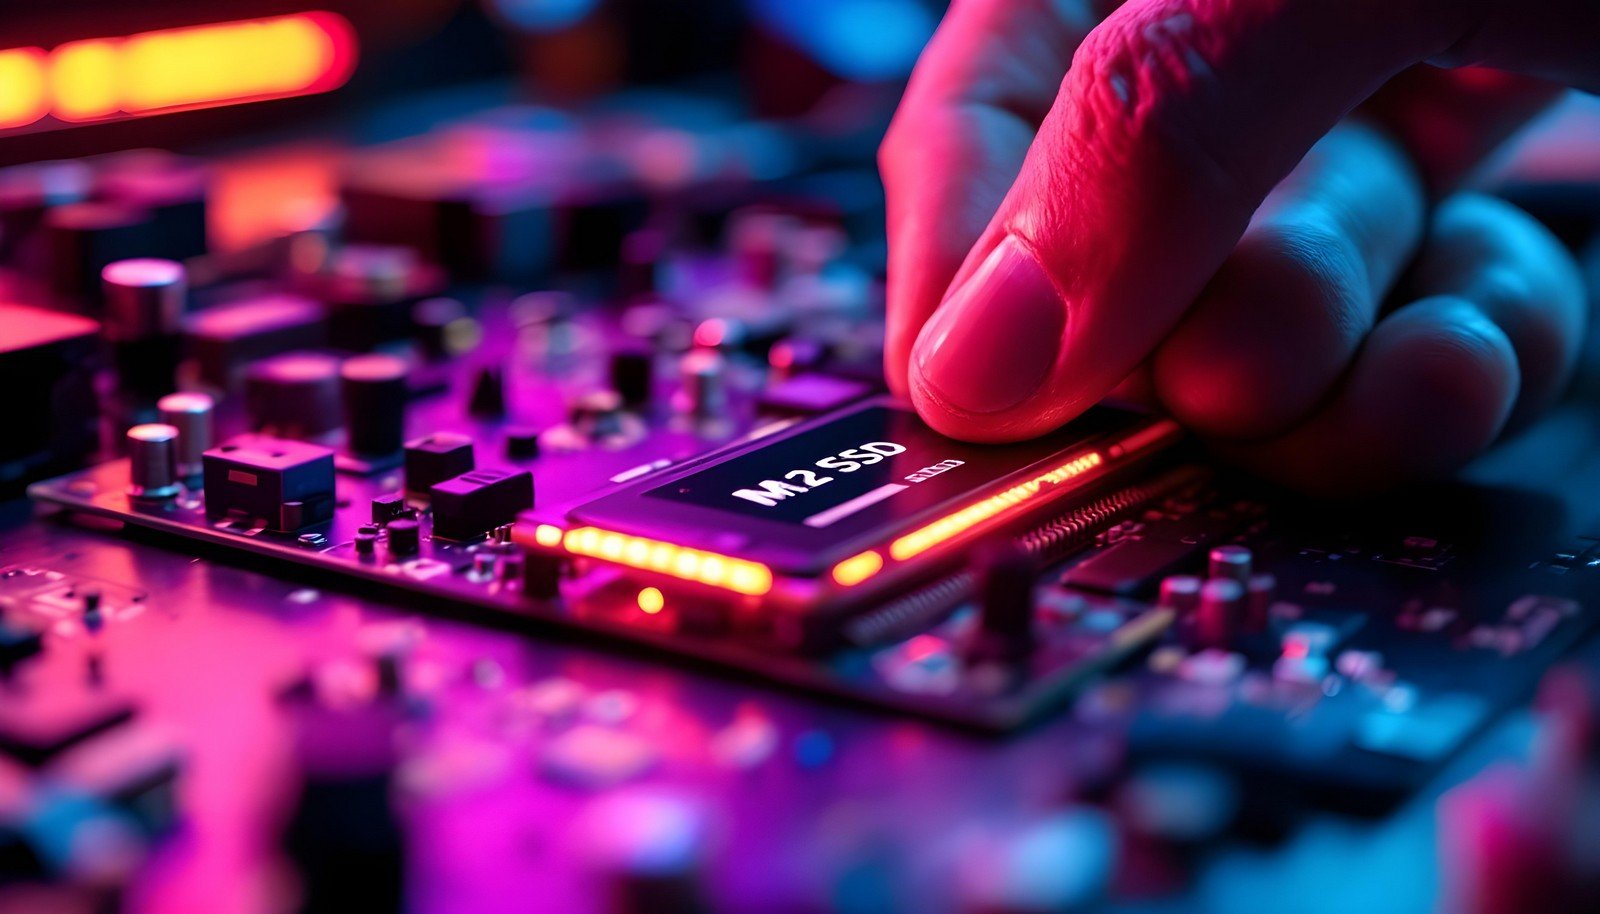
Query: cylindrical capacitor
x,y
649,851
82,238
522,443
488,397
152,462
144,302
144,298
295,395
1217,619
1231,562
642,252
404,537
373,391
193,415
1259,593
443,329
632,372
704,394
1005,593
1181,592
598,414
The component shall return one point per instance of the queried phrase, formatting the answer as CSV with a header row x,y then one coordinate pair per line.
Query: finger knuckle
x,y
1311,266
1147,74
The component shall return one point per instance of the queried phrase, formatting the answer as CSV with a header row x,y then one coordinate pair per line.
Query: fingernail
x,y
994,340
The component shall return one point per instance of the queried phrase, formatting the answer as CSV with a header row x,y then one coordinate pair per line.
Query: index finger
x,y
1175,120
983,84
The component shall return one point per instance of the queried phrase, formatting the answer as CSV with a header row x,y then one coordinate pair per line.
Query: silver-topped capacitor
x,y
598,414
152,462
1231,562
1216,621
193,414
1181,592
704,394
144,304
144,298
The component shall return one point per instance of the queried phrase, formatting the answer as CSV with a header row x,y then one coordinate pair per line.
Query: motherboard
x,y
526,527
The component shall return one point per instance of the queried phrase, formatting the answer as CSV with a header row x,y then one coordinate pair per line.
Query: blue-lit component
x,y
859,40
544,15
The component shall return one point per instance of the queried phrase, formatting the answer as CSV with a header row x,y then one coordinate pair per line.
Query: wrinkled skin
x,y
1245,210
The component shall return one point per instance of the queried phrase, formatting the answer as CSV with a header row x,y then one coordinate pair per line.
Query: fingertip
x,y
943,415
1490,252
1448,377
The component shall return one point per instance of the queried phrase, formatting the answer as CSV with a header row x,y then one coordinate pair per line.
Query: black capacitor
x,y
650,853
48,359
632,373
488,399
474,503
171,189
522,443
373,391
642,251
344,836
405,537
1005,582
18,642
370,292
225,340
386,508
83,238
435,458
295,395
28,191
442,328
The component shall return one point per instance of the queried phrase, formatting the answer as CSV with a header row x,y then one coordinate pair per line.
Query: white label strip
x,y
841,511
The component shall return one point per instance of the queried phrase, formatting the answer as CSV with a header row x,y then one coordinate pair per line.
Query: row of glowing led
x,y
174,69
709,568
952,525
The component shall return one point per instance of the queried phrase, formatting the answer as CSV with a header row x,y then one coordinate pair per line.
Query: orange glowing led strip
x,y
952,525
721,571
857,568
203,66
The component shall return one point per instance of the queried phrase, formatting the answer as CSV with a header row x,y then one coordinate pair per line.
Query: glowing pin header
x,y
182,69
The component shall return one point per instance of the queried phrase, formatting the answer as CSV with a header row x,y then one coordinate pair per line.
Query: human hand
x,y
1192,211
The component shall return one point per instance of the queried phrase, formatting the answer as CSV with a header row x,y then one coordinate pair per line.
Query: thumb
x,y
1176,118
